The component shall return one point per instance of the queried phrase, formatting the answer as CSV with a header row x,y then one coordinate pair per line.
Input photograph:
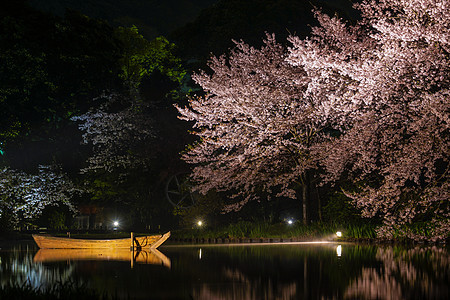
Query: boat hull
x,y
52,242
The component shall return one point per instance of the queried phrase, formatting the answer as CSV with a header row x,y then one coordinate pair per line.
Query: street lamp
x,y
115,224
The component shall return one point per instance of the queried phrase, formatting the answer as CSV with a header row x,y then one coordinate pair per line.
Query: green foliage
x,y
340,210
135,48
241,229
360,231
57,220
141,58
162,57
206,207
7,218
103,189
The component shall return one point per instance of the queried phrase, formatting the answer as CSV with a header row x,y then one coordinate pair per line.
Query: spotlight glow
x,y
338,234
290,222
199,223
116,223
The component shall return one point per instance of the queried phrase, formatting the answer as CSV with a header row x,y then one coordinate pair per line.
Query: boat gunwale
x,y
152,241
48,236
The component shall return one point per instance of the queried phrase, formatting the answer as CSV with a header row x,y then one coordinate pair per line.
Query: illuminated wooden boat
x,y
153,256
52,242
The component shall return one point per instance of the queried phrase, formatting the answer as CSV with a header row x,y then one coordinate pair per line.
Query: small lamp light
x,y
338,234
116,223
290,222
199,223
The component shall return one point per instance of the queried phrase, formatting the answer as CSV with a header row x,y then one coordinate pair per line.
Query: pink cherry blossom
x,y
381,86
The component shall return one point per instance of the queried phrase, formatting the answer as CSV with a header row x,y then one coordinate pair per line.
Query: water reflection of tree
x,y
417,273
243,287
17,267
287,272
318,272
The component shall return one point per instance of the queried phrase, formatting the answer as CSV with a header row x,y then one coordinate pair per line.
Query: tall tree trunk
x,y
319,204
304,203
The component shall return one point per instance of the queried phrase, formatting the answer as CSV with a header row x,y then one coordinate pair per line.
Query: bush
x,y
7,221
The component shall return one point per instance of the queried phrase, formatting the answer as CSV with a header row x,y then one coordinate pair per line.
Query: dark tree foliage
x,y
249,20
49,68
153,17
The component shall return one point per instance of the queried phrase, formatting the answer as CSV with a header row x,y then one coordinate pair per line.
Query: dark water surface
x,y
279,271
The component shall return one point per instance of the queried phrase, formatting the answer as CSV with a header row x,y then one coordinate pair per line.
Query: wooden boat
x,y
52,242
152,256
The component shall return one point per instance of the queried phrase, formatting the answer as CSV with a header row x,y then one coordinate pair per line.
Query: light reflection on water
x,y
17,266
294,271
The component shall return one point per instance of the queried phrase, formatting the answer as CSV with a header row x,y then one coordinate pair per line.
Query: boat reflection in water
x,y
152,256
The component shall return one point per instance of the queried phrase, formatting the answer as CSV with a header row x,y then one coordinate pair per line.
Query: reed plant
x,y
246,229
360,231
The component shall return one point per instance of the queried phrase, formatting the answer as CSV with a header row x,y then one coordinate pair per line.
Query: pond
x,y
269,271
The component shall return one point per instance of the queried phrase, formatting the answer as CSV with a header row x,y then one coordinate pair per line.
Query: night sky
x,y
153,17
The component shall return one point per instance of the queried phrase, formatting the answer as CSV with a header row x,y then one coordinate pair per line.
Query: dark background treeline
x,y
56,57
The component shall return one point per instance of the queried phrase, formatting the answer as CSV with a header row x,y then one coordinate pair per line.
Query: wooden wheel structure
x,y
179,191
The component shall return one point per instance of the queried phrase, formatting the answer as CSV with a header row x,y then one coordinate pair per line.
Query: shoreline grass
x,y
364,232
252,230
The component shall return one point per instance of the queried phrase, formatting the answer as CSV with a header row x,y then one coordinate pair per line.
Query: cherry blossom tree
x,y
115,130
368,102
24,195
119,134
255,130
384,85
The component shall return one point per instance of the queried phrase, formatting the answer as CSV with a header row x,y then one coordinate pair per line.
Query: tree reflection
x,y
345,271
417,273
243,287
273,272
18,267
